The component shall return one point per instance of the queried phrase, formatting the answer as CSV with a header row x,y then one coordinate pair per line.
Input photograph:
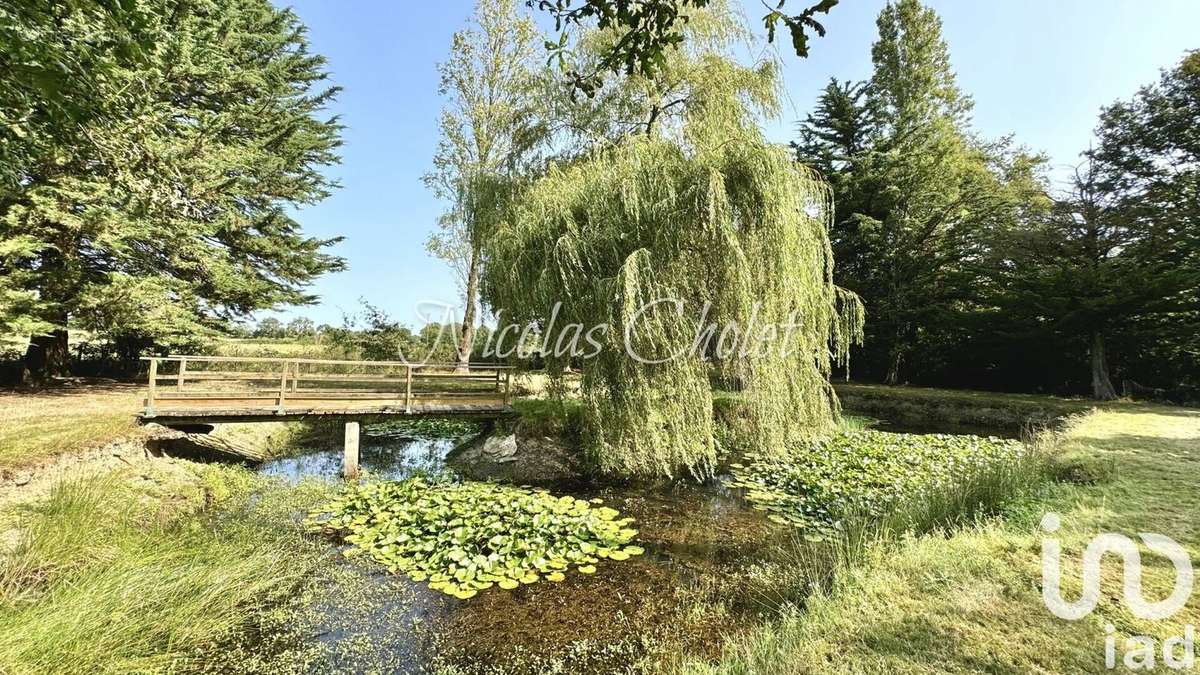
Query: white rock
x,y
500,446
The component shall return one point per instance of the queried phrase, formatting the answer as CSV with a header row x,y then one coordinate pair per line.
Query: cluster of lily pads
x,y
464,537
432,428
864,472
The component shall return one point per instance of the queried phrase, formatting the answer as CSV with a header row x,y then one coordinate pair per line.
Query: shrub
x,y
559,418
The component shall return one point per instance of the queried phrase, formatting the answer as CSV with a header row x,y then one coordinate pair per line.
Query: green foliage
x,y
913,190
866,474
164,207
466,537
702,77
1082,468
108,577
974,273
1117,260
893,609
431,428
696,208
491,131
374,335
647,30
647,222
561,418
924,406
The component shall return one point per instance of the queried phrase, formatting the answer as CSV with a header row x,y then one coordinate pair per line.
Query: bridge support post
x,y
350,455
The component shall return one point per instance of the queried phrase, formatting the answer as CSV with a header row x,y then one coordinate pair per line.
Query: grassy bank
x,y
917,406
148,570
971,602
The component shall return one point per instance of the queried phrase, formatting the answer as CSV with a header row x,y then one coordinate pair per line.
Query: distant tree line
x,y
975,268
371,334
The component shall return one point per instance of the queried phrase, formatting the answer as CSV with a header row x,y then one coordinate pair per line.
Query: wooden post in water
x,y
350,455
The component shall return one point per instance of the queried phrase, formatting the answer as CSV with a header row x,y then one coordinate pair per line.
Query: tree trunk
x,y
896,357
47,356
468,329
1102,387
894,363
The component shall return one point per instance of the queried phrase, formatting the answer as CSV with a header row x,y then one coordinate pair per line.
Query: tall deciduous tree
x,y
697,75
676,197
163,209
1118,256
490,131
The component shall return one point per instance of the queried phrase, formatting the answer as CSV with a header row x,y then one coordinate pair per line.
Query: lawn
x,y
971,602
37,425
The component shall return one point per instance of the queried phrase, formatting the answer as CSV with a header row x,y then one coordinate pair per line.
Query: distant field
x,y
275,349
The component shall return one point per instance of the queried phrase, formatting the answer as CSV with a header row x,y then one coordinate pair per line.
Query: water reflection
x,y
383,452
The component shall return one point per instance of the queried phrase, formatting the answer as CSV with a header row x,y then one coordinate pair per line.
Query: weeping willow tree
x,y
692,221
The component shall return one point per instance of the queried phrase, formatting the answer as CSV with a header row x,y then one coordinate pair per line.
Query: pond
x,y
385,451
701,542
933,425
707,569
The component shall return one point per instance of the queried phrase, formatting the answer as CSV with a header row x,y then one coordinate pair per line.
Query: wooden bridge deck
x,y
221,388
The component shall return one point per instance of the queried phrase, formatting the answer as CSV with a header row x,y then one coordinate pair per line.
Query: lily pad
x,y
462,537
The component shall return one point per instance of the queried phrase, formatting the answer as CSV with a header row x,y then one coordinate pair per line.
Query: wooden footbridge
x,y
184,390
241,389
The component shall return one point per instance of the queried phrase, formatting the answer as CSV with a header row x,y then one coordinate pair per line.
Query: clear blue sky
x,y
1038,69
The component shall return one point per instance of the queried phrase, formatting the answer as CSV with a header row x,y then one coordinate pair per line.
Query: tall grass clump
x,y
860,490
105,579
877,476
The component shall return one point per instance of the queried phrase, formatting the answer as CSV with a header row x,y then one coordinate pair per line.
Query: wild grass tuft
x,y
106,580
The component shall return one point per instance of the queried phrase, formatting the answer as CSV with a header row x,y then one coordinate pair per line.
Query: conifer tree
x,y
1117,257
162,208
914,189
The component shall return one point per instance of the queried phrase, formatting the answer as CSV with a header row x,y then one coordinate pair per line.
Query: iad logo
x,y
1132,559
1178,653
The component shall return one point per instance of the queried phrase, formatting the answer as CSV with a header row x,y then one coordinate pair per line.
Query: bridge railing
x,y
180,385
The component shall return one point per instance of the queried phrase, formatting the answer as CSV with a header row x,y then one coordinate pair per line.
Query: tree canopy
x,y
644,32
1114,260
491,131
914,190
163,208
975,270
644,233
